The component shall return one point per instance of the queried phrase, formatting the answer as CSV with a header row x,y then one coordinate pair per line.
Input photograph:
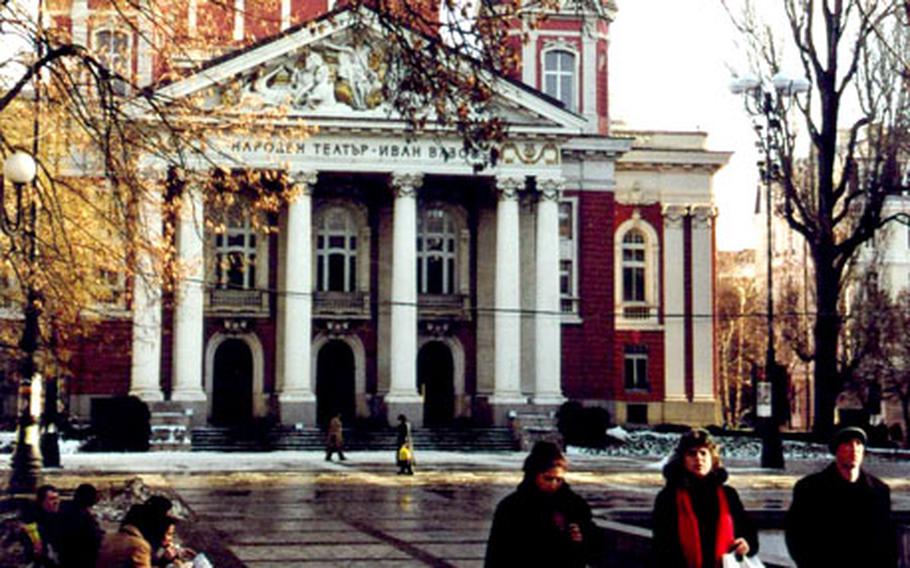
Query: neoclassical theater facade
x,y
401,279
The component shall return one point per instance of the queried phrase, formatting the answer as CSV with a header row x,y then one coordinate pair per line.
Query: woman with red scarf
x,y
698,519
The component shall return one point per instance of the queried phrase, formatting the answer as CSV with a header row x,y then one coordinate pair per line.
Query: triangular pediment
x,y
333,71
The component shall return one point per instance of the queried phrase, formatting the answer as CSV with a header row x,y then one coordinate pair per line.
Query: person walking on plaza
x,y
543,522
334,439
404,447
80,533
697,518
841,515
41,527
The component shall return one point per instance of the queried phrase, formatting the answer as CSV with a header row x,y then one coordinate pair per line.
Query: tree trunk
x,y
825,334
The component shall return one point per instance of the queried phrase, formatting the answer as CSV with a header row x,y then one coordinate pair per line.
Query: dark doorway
x,y
232,386
435,379
335,383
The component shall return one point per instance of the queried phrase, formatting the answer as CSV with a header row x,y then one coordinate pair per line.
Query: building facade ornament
x,y
703,216
674,215
508,187
529,153
550,189
304,180
406,184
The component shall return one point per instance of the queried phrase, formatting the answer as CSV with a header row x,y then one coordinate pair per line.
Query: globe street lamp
x,y
767,105
20,169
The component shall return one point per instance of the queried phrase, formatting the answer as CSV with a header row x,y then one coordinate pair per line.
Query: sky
x,y
671,64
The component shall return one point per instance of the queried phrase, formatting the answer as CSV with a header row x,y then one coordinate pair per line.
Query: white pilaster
x,y
403,383
79,14
295,382
589,72
674,305
188,310
146,51
702,303
192,18
507,318
145,365
547,319
529,59
285,14
239,15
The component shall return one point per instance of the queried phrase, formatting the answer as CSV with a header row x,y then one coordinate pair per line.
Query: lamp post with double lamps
x,y
767,105
20,170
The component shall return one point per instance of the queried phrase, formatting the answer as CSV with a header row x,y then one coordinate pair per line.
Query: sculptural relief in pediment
x,y
329,76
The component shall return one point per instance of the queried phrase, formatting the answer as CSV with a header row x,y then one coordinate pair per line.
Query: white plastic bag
x,y
200,561
731,561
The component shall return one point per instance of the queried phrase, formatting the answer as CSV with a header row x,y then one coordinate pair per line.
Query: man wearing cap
x,y
841,516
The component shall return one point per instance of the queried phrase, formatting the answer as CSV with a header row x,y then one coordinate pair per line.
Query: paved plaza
x,y
295,509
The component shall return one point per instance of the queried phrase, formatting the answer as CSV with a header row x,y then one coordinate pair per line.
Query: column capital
x,y
703,216
406,184
549,189
508,187
674,215
304,180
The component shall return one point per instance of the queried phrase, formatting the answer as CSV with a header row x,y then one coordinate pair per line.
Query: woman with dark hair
x,y
697,518
128,547
544,522
80,535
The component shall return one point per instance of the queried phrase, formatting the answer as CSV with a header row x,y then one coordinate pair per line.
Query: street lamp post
x,y
767,107
20,169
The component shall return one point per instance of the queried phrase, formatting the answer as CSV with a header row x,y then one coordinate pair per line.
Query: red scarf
x,y
690,540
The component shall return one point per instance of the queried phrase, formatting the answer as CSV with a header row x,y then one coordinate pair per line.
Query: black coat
x,y
530,528
80,537
832,522
667,551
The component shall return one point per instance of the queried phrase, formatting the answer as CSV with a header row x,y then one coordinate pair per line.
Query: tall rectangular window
x,y
635,368
559,76
568,255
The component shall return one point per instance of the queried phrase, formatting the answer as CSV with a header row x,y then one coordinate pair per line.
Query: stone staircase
x,y
530,427
170,428
284,438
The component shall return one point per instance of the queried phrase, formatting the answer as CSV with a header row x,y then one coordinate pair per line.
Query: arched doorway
x,y
335,383
232,388
435,379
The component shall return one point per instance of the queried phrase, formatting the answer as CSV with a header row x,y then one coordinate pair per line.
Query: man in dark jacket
x,y
841,516
543,523
80,534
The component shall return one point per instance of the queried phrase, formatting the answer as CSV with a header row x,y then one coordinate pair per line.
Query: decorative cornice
x,y
406,184
508,187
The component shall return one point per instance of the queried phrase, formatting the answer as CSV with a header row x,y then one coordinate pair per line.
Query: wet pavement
x,y
295,509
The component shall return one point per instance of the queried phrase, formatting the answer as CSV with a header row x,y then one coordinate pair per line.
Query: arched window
x,y
336,251
437,238
559,76
113,49
636,257
633,267
235,252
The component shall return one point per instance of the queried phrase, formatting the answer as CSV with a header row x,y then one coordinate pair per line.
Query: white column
x,y
702,303
403,380
295,383
188,310
145,365
589,74
506,298
547,320
674,305
146,50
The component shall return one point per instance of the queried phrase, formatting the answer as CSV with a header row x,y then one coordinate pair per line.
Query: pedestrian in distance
x,y
697,517
543,522
841,515
404,452
80,533
334,438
